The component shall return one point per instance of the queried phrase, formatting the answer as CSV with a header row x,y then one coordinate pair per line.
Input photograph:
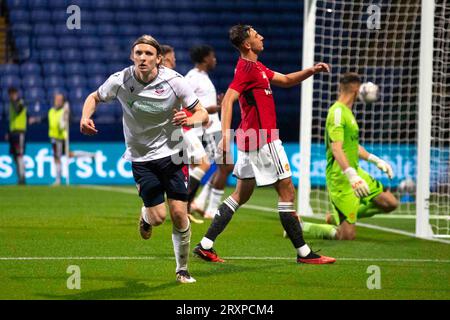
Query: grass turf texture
x,y
85,222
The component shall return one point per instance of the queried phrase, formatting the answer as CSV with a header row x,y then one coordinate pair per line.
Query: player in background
x,y
204,59
58,125
151,96
353,193
198,159
262,160
17,130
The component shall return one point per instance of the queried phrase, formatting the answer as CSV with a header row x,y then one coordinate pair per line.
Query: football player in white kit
x,y
151,95
203,56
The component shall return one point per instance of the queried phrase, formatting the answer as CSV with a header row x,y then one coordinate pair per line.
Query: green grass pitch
x,y
98,230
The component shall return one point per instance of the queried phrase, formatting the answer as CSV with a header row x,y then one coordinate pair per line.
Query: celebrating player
x,y
261,158
151,95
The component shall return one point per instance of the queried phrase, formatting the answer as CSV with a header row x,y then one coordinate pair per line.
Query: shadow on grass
x,y
138,288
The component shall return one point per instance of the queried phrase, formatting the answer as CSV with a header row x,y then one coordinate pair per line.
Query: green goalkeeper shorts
x,y
345,203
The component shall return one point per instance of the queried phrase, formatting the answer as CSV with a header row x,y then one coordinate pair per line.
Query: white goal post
x,y
402,46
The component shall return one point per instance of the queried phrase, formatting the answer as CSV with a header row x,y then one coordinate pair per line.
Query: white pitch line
x,y
260,208
226,258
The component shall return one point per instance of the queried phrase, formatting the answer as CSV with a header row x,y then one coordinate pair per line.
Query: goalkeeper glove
x,y
382,165
358,184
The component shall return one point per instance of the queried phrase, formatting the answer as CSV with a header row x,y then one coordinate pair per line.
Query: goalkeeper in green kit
x,y
353,192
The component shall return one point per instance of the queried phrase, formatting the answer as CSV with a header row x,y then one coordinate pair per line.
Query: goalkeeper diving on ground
x,y
353,193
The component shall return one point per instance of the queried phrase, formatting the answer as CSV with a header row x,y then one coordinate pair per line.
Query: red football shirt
x,y
258,118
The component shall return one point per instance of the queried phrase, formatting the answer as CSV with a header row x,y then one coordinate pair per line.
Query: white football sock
x,y
206,243
181,240
197,173
214,200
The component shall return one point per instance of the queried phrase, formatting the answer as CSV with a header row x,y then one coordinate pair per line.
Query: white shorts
x,y
193,146
266,165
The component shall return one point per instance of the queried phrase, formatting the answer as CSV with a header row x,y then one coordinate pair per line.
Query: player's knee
x,y
391,205
157,220
345,233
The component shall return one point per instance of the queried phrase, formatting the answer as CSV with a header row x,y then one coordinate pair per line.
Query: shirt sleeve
x,y
184,92
269,73
335,125
240,81
109,89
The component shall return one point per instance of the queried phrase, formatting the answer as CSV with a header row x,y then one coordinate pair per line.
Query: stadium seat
x,y
46,42
21,29
105,113
16,4
39,16
74,68
71,55
54,81
68,42
59,16
34,94
94,82
105,29
49,55
38,4
53,68
43,29
102,5
10,81
76,81
30,68
31,81
19,16
52,91
88,42
9,69
124,18
103,16
110,43
129,30
79,93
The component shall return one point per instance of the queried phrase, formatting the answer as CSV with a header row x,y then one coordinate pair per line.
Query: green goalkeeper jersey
x,y
341,126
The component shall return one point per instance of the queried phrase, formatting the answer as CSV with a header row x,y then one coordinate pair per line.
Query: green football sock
x,y
319,231
368,210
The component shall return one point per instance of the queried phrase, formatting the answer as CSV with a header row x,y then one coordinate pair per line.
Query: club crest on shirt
x,y
159,89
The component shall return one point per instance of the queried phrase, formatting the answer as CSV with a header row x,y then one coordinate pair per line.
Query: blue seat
x,y
148,28
30,68
10,81
49,55
102,5
21,29
97,68
129,30
53,68
35,94
71,55
44,29
94,55
59,16
110,43
66,42
94,82
9,69
79,93
40,16
54,90
118,56
103,16
87,29
124,17
88,42
54,81
76,81
166,17
105,114
19,16
46,42
106,29
31,81
38,4
74,68
17,4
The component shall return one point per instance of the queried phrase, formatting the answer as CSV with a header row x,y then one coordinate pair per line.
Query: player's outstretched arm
x,y
380,163
358,184
295,78
87,125
198,118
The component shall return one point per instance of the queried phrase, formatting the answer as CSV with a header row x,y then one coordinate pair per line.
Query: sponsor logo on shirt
x,y
145,106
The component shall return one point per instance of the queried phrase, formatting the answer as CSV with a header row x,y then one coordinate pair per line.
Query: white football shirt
x,y
148,111
206,93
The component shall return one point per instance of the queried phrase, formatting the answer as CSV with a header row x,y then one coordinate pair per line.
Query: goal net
x,y
382,42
